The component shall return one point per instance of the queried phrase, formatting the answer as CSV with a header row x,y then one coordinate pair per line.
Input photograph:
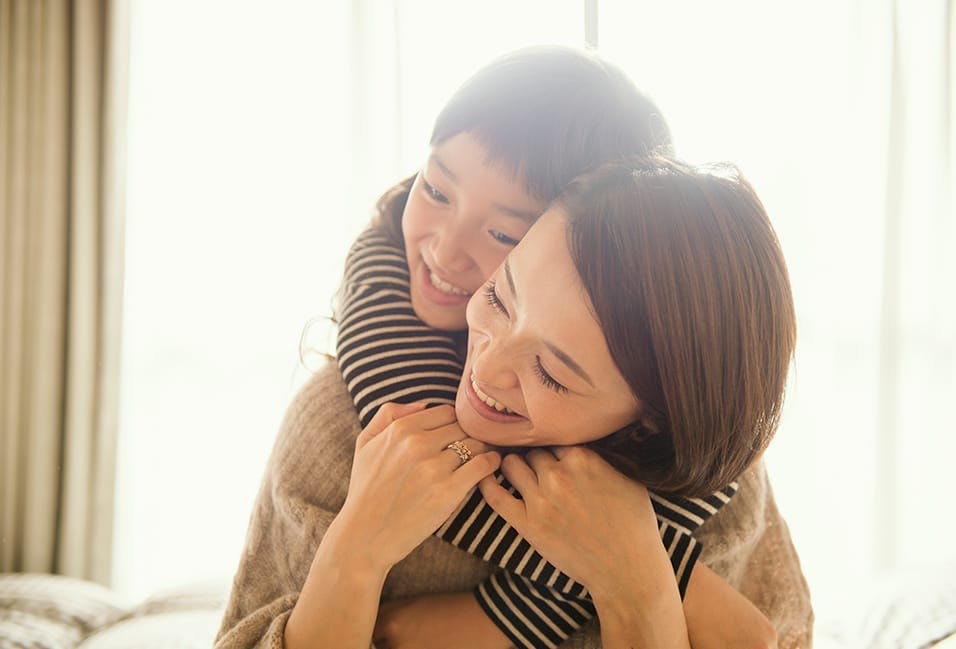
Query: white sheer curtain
x,y
841,113
260,137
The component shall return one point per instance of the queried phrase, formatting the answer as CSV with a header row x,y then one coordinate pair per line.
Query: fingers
x,y
561,452
507,506
407,417
441,436
522,476
387,414
540,459
471,449
433,417
470,473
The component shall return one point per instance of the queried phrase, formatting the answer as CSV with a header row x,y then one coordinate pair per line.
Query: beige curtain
x,y
62,98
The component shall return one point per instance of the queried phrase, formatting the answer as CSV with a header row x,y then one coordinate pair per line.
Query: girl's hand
x,y
405,483
586,518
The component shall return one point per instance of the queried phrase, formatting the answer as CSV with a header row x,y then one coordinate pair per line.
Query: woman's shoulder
x,y
312,456
321,408
748,544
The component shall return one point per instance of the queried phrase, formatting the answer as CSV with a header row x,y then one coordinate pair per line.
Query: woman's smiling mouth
x,y
487,406
488,400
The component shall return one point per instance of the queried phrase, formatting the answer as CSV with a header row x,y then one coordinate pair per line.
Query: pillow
x,y
186,617
170,630
909,610
53,611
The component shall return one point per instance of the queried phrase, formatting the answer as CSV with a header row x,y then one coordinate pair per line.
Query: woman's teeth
x,y
488,400
444,286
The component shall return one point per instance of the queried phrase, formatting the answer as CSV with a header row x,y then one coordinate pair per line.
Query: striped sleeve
x,y
385,353
677,518
529,613
535,604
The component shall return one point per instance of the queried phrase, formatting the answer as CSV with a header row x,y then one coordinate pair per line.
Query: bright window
x,y
260,137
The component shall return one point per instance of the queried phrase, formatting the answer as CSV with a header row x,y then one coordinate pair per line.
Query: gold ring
x,y
462,450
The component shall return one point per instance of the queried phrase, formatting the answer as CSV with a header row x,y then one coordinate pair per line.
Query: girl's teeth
x,y
444,286
484,397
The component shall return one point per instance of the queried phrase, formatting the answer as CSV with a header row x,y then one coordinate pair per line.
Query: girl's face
x,y
538,371
463,216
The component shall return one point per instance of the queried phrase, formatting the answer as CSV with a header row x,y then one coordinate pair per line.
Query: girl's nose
x,y
451,248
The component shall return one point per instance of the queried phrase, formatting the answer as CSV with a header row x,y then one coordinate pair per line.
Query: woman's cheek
x,y
474,311
538,407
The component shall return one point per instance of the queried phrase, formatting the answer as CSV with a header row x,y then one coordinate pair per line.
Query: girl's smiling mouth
x,y
438,290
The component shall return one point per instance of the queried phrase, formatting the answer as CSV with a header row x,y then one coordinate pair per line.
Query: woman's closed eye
x,y
548,380
491,295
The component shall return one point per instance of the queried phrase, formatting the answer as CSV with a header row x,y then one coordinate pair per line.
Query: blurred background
x,y
239,147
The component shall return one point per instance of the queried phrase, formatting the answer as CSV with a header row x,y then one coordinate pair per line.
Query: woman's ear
x,y
640,430
649,425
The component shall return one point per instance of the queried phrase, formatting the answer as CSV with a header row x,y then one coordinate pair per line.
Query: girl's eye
x,y
491,295
546,378
434,193
500,237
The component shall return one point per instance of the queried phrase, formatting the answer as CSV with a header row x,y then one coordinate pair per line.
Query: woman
x,y
695,354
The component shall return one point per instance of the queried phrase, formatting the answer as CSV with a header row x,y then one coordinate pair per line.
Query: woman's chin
x,y
491,432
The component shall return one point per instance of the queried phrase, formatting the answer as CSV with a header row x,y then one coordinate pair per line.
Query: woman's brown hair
x,y
545,114
688,281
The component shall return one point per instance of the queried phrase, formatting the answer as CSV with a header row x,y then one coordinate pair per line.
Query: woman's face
x,y
463,216
538,371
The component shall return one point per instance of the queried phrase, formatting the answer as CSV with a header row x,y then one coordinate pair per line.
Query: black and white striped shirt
x,y
387,354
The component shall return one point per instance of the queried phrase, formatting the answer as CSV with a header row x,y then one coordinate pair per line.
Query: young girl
x,y
506,144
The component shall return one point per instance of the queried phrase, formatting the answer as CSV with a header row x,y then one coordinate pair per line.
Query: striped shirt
x,y
387,354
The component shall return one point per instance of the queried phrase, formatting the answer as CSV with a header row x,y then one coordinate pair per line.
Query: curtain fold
x,y
62,117
917,374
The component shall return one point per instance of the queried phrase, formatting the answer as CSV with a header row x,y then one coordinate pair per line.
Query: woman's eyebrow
x,y
567,360
557,351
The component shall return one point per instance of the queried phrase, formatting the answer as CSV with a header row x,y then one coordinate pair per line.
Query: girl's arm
x,y
717,617
599,527
422,623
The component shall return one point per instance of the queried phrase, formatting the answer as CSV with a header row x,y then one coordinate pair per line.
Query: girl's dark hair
x,y
688,282
546,114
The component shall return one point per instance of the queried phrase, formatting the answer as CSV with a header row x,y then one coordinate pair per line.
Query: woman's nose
x,y
494,364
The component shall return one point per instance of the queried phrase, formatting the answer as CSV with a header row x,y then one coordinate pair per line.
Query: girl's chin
x,y
443,318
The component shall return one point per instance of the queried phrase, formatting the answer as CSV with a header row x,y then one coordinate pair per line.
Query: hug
x,y
561,354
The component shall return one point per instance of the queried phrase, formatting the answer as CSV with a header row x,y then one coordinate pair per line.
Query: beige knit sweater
x,y
305,484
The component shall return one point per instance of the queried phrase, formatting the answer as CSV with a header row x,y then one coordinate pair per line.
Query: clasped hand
x,y
405,481
580,513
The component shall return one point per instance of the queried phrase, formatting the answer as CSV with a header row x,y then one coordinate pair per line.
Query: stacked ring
x,y
462,450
